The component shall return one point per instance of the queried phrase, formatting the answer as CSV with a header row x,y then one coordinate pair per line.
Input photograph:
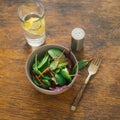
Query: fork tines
x,y
97,60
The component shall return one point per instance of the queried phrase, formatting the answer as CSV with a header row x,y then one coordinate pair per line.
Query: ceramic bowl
x,y
40,51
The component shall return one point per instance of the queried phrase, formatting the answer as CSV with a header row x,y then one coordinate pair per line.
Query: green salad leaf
x,y
35,81
54,64
35,66
60,79
82,64
43,61
65,74
55,53
62,63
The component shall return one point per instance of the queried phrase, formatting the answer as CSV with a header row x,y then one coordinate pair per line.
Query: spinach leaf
x,y
35,66
65,73
81,64
54,64
43,67
47,77
62,63
43,61
55,53
60,79
46,82
38,84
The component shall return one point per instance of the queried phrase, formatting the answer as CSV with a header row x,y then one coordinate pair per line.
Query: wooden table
x,y
101,101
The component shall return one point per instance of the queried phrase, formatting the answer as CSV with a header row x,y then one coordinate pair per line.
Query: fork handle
x,y
78,97
79,94
87,79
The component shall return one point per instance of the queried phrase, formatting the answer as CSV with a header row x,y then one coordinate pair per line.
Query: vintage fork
x,y
92,69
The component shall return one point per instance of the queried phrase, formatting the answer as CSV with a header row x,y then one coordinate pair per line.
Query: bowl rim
x,y
42,89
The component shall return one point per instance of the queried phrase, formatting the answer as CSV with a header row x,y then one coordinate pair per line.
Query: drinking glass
x,y
32,17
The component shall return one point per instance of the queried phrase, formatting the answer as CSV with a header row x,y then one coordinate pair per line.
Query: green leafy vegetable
x,y
55,53
54,64
62,63
44,66
66,74
39,84
82,63
43,61
60,80
54,80
35,66
46,82
47,77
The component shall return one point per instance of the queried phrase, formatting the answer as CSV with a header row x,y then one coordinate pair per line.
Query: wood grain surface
x,y
101,101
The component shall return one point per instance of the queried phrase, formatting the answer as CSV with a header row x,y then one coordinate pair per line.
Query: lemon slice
x,y
35,25
32,23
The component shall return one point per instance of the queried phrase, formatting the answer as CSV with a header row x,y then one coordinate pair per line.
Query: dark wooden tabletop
x,y
101,101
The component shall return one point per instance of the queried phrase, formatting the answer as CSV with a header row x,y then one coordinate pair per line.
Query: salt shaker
x,y
77,38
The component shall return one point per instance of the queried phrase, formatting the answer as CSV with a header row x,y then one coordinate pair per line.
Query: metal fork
x,y
92,69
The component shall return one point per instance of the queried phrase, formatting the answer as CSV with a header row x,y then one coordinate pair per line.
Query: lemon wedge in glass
x,y
35,25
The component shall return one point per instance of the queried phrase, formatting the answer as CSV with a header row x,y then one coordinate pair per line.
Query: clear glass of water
x,y
32,17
